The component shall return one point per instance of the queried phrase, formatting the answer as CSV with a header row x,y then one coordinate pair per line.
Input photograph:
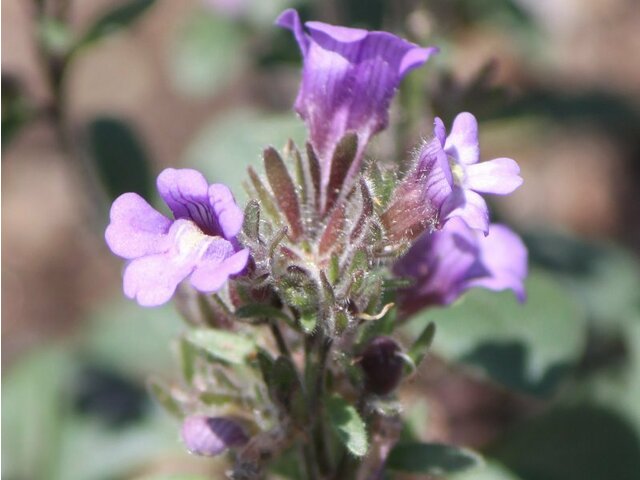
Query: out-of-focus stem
x,y
280,341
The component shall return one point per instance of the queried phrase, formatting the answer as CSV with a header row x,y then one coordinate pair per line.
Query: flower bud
x,y
382,365
211,436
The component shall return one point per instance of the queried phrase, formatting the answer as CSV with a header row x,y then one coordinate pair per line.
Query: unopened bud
x,y
211,436
382,365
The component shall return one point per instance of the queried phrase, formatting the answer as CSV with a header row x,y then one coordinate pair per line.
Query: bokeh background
x,y
98,97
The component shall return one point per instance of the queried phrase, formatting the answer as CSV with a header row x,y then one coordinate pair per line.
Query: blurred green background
x,y
98,97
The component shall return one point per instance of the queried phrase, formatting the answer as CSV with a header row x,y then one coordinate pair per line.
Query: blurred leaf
x,y
489,471
604,278
222,345
91,452
174,477
431,459
350,428
527,347
224,149
116,19
132,339
162,394
420,347
188,355
15,108
55,36
207,53
573,443
32,410
285,388
120,159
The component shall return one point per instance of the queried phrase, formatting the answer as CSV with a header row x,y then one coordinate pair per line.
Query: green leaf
x,y
431,459
222,345
350,428
419,348
119,158
226,147
207,53
529,347
115,20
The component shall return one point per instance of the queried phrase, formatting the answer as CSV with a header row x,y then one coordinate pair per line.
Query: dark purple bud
x,y
211,436
382,365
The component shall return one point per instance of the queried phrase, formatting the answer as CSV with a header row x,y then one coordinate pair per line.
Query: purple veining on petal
x,y
210,436
199,243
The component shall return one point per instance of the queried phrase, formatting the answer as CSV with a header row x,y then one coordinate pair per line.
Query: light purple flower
x,y
210,436
349,78
447,262
499,176
200,243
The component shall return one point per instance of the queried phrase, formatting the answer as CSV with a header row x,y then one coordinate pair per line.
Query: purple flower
x,y
211,436
447,262
500,176
199,243
349,78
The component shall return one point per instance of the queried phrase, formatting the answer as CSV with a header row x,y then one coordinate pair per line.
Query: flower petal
x,y
229,216
462,143
505,256
500,176
349,78
186,192
439,130
214,270
136,228
438,179
469,206
441,263
153,279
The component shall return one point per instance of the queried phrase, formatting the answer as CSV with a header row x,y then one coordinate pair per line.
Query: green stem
x,y
280,342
